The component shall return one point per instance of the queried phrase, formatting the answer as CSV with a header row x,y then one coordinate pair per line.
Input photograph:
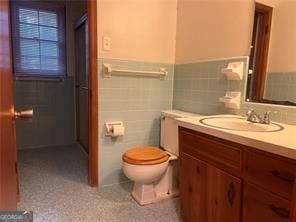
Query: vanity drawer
x,y
260,206
275,175
210,149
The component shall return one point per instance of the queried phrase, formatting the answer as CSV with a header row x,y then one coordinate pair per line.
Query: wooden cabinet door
x,y
260,206
207,193
223,196
193,188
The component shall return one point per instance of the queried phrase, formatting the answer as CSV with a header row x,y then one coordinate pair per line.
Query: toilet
x,y
154,170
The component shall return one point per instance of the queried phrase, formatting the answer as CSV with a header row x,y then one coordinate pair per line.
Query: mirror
x,y
272,67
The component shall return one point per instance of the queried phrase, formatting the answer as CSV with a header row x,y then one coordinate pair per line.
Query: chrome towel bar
x,y
108,71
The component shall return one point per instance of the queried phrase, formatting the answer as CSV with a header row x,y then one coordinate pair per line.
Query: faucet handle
x,y
251,115
249,112
266,117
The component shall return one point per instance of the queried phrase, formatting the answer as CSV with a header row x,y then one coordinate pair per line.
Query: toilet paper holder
x,y
110,128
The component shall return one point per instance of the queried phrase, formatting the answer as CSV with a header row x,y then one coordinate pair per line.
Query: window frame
x,y
60,11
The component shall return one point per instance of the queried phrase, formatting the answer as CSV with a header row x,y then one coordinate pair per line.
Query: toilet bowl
x,y
147,167
153,169
145,164
144,173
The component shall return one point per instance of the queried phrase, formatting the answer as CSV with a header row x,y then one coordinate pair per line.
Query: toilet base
x,y
146,194
164,188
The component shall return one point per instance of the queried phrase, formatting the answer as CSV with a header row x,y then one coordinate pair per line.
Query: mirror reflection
x,y
272,68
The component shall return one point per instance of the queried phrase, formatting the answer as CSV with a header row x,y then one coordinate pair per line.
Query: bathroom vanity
x,y
230,176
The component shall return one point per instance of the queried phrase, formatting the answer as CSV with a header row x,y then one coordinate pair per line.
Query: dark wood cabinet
x,y
208,193
260,206
224,196
222,181
193,189
275,175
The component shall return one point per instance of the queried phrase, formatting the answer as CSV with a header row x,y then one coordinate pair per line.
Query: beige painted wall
x,y
282,50
153,31
141,30
208,29
148,30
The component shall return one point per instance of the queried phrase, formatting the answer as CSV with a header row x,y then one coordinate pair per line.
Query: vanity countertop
x,y
281,143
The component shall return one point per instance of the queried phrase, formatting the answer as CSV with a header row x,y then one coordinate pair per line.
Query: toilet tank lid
x,y
177,114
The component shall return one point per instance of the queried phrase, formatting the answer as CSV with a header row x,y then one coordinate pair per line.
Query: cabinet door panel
x,y
260,206
224,196
207,193
193,189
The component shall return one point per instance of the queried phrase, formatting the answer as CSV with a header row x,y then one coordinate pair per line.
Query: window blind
x,y
38,34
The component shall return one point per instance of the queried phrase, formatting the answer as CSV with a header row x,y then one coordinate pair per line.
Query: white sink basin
x,y
239,124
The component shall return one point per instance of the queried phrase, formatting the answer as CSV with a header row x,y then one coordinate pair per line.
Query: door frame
x,y
259,54
78,24
93,163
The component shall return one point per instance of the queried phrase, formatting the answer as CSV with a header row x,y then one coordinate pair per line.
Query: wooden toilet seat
x,y
146,155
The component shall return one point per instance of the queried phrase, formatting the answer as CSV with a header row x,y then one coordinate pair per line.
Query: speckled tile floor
x,y
54,186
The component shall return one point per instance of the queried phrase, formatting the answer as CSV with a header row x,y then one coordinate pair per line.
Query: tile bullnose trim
x,y
211,60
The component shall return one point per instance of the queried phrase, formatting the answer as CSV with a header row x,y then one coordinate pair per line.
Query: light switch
x,y
106,43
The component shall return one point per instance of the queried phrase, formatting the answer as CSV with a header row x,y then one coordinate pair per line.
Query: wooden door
x,y
8,155
207,193
81,79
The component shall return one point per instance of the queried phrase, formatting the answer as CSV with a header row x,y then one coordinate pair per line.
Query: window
x,y
38,34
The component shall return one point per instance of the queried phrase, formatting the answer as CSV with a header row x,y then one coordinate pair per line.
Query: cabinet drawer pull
x,y
283,177
284,213
231,194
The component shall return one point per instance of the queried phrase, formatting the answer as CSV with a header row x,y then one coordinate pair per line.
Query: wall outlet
x,y
106,43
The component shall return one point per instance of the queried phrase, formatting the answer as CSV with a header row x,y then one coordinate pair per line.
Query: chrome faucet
x,y
254,117
266,117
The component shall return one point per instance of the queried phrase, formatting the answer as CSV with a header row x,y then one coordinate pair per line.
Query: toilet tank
x,y
169,130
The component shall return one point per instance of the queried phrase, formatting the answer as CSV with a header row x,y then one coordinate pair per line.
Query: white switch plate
x,y
106,43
